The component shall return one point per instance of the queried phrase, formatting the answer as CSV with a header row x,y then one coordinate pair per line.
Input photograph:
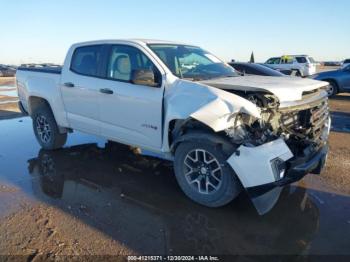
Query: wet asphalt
x,y
135,200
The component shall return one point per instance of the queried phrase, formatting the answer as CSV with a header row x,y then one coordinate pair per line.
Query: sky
x,y
37,31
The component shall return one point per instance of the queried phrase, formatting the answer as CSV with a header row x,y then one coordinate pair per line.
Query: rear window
x,y
312,60
86,59
347,61
255,69
301,59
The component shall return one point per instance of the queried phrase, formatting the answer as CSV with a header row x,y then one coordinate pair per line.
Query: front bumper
x,y
297,168
255,168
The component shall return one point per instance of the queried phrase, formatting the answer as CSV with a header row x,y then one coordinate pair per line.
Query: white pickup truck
x,y
224,132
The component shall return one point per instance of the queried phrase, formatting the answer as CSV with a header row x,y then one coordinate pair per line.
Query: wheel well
x,y
35,102
330,80
180,129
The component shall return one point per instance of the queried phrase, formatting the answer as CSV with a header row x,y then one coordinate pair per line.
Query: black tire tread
x,y
231,187
58,139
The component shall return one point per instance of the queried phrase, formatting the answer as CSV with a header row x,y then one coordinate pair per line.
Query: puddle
x,y
340,121
135,200
8,91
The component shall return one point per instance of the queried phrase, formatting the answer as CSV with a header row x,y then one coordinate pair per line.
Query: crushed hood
x,y
284,88
209,105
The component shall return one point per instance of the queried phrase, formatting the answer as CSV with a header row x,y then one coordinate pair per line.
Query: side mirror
x,y
143,77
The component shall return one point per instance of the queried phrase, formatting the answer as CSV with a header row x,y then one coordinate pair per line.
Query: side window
x,y
124,59
86,59
301,60
273,61
270,61
287,60
238,68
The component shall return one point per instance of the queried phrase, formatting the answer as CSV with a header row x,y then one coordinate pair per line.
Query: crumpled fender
x,y
209,105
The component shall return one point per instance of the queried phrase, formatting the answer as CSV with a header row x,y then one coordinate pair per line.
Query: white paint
x,y
253,164
285,88
127,115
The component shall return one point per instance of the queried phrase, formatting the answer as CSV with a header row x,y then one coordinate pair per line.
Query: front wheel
x,y
46,129
204,175
332,89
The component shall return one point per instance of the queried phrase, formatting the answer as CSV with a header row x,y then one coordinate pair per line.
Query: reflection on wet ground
x,y
136,200
340,121
8,94
8,91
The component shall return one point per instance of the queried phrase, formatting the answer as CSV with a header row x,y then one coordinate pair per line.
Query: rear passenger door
x,y
80,84
131,113
286,63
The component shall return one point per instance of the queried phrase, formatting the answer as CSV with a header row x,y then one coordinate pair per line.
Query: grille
x,y
307,123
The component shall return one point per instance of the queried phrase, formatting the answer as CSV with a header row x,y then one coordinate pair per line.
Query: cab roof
x,y
135,41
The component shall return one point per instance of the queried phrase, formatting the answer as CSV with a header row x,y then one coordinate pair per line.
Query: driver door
x,y
130,113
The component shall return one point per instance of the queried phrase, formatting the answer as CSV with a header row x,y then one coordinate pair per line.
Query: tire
x,y
46,129
226,190
298,73
333,88
51,180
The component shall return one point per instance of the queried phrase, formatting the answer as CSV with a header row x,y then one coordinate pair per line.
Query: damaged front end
x,y
287,142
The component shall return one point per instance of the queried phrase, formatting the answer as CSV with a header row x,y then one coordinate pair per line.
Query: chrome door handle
x,y
69,84
106,91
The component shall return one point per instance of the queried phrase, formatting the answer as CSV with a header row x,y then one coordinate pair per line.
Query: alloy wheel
x,y
43,128
203,171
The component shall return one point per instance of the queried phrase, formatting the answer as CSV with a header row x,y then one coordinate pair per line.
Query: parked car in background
x,y
345,63
7,71
254,69
332,63
339,80
302,65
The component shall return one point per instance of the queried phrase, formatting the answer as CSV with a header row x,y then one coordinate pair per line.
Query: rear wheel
x,y
204,175
46,129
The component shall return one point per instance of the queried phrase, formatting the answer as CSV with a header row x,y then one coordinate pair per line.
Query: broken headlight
x,y
249,131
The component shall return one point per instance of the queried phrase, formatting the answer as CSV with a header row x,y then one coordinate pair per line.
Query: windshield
x,y
190,62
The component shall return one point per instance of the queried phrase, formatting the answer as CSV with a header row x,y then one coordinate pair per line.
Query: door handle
x,y
106,91
69,84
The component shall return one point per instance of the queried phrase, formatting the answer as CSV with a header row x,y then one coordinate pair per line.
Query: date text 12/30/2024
x,y
173,258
